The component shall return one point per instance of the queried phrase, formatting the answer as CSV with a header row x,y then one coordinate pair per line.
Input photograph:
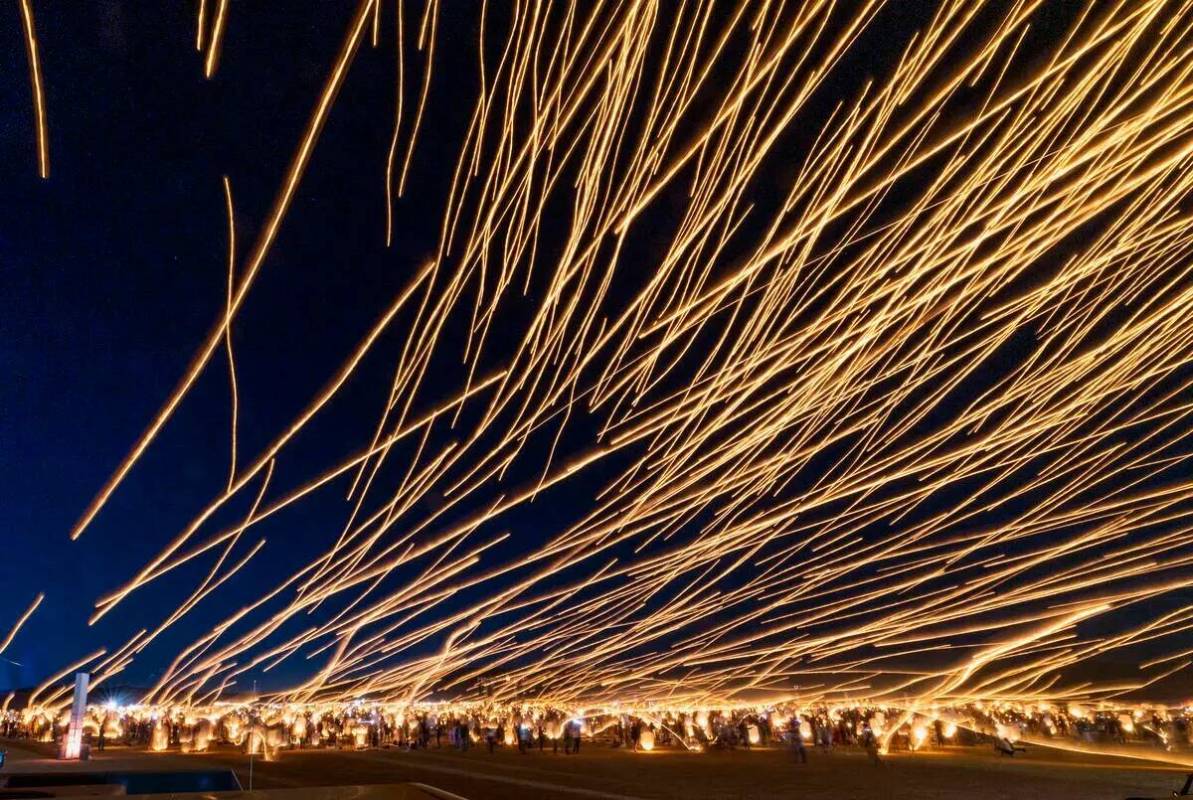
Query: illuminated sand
x,y
611,773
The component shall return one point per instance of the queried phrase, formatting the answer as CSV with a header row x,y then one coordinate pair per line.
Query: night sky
x,y
113,270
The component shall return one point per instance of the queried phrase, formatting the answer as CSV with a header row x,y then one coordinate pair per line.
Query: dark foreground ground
x,y
601,772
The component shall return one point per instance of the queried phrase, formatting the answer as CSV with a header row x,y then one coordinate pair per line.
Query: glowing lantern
x,y
918,734
950,730
1008,732
112,728
158,740
202,736
646,740
753,735
235,729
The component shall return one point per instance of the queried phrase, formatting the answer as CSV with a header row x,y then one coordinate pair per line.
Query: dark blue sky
x,y
112,271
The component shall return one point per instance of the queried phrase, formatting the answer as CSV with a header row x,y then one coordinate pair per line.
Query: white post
x,y
74,734
250,741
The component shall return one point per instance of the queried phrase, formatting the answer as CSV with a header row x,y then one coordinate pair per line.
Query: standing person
x,y
797,740
99,742
635,734
870,742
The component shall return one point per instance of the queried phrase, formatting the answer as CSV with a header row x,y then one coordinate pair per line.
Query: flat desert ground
x,y
604,772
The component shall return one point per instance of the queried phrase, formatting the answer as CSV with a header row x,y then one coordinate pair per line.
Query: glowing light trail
x,y
39,97
12,634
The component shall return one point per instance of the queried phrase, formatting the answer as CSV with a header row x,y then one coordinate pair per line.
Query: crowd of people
x,y
268,728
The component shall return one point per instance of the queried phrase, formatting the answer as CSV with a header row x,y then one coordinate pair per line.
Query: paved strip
x,y
544,785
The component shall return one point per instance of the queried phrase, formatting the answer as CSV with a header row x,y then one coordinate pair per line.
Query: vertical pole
x,y
250,740
74,734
